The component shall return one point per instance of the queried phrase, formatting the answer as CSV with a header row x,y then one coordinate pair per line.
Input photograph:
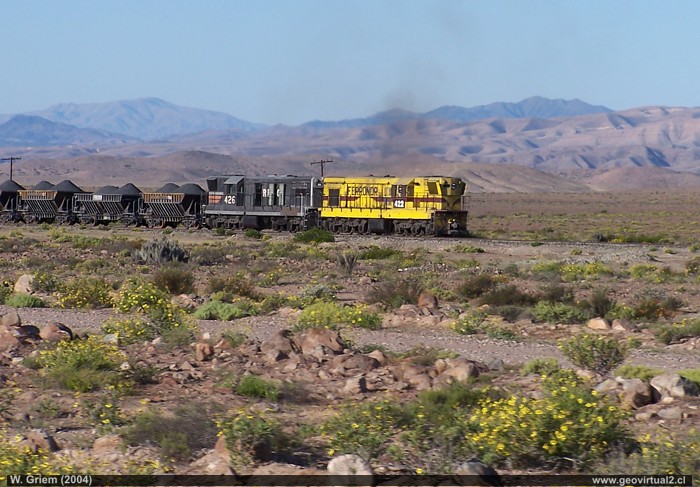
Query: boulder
x,y
55,332
8,341
108,444
184,301
349,465
10,319
427,300
598,324
40,440
355,385
203,351
674,385
279,345
635,393
311,339
23,285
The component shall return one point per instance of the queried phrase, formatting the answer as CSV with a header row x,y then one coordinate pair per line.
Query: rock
x,y
313,338
209,464
362,362
476,468
461,372
623,324
673,413
409,310
8,341
108,444
203,351
40,440
10,319
608,386
355,385
221,449
23,285
379,356
598,324
349,465
184,301
674,385
365,281
427,300
279,346
635,393
54,332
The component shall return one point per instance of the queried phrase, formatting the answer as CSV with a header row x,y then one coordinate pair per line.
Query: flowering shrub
x,y
247,433
548,312
104,413
16,458
129,330
363,429
216,310
573,271
82,365
161,317
596,353
85,293
570,421
331,315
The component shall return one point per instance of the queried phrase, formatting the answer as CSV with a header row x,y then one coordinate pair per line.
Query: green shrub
x,y
596,353
174,279
160,251
254,386
654,306
187,429
375,252
249,435
642,372
21,300
509,313
85,293
547,312
319,291
314,235
470,323
362,429
393,293
82,365
467,249
668,334
216,310
556,293
541,366
570,421
238,284
323,314
506,295
476,286
253,233
600,303
6,288
46,282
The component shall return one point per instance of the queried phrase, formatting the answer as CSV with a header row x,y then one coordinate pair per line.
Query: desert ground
x,y
394,347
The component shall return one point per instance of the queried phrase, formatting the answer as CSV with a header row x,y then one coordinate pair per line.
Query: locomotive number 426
x,y
230,199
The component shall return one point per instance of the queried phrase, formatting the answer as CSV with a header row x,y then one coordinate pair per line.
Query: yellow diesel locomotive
x,y
426,205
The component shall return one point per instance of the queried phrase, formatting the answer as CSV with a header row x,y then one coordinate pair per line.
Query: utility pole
x,y
12,160
322,163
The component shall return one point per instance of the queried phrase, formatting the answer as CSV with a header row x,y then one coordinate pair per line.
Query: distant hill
x,y
25,130
143,118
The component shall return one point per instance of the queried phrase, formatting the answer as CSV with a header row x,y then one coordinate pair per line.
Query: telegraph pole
x,y
322,163
13,159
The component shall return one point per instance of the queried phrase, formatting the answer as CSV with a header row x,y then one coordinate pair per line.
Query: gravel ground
x,y
481,349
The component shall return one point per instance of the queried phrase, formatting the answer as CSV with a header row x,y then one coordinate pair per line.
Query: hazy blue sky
x,y
291,61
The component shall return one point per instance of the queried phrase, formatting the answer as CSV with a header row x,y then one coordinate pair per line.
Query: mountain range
x,y
537,144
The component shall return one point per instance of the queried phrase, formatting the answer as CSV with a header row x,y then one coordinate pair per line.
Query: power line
x,y
322,163
12,160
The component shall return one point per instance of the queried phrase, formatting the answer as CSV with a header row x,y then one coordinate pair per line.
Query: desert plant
x,y
85,293
314,235
476,286
45,282
254,386
325,314
596,353
470,323
642,372
541,366
82,365
21,300
506,295
216,310
253,233
249,436
188,428
347,259
375,252
394,293
674,332
547,312
320,291
238,284
159,251
174,279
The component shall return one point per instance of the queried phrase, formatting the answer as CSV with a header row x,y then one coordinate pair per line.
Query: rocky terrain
x,y
302,376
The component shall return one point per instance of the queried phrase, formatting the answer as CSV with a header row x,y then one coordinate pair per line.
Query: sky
x,y
293,61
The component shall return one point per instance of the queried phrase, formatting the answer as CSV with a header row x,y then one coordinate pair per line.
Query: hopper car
x,y
412,206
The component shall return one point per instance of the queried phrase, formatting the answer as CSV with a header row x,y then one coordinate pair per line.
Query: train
x,y
411,206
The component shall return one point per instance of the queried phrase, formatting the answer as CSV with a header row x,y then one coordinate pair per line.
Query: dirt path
x,y
482,349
